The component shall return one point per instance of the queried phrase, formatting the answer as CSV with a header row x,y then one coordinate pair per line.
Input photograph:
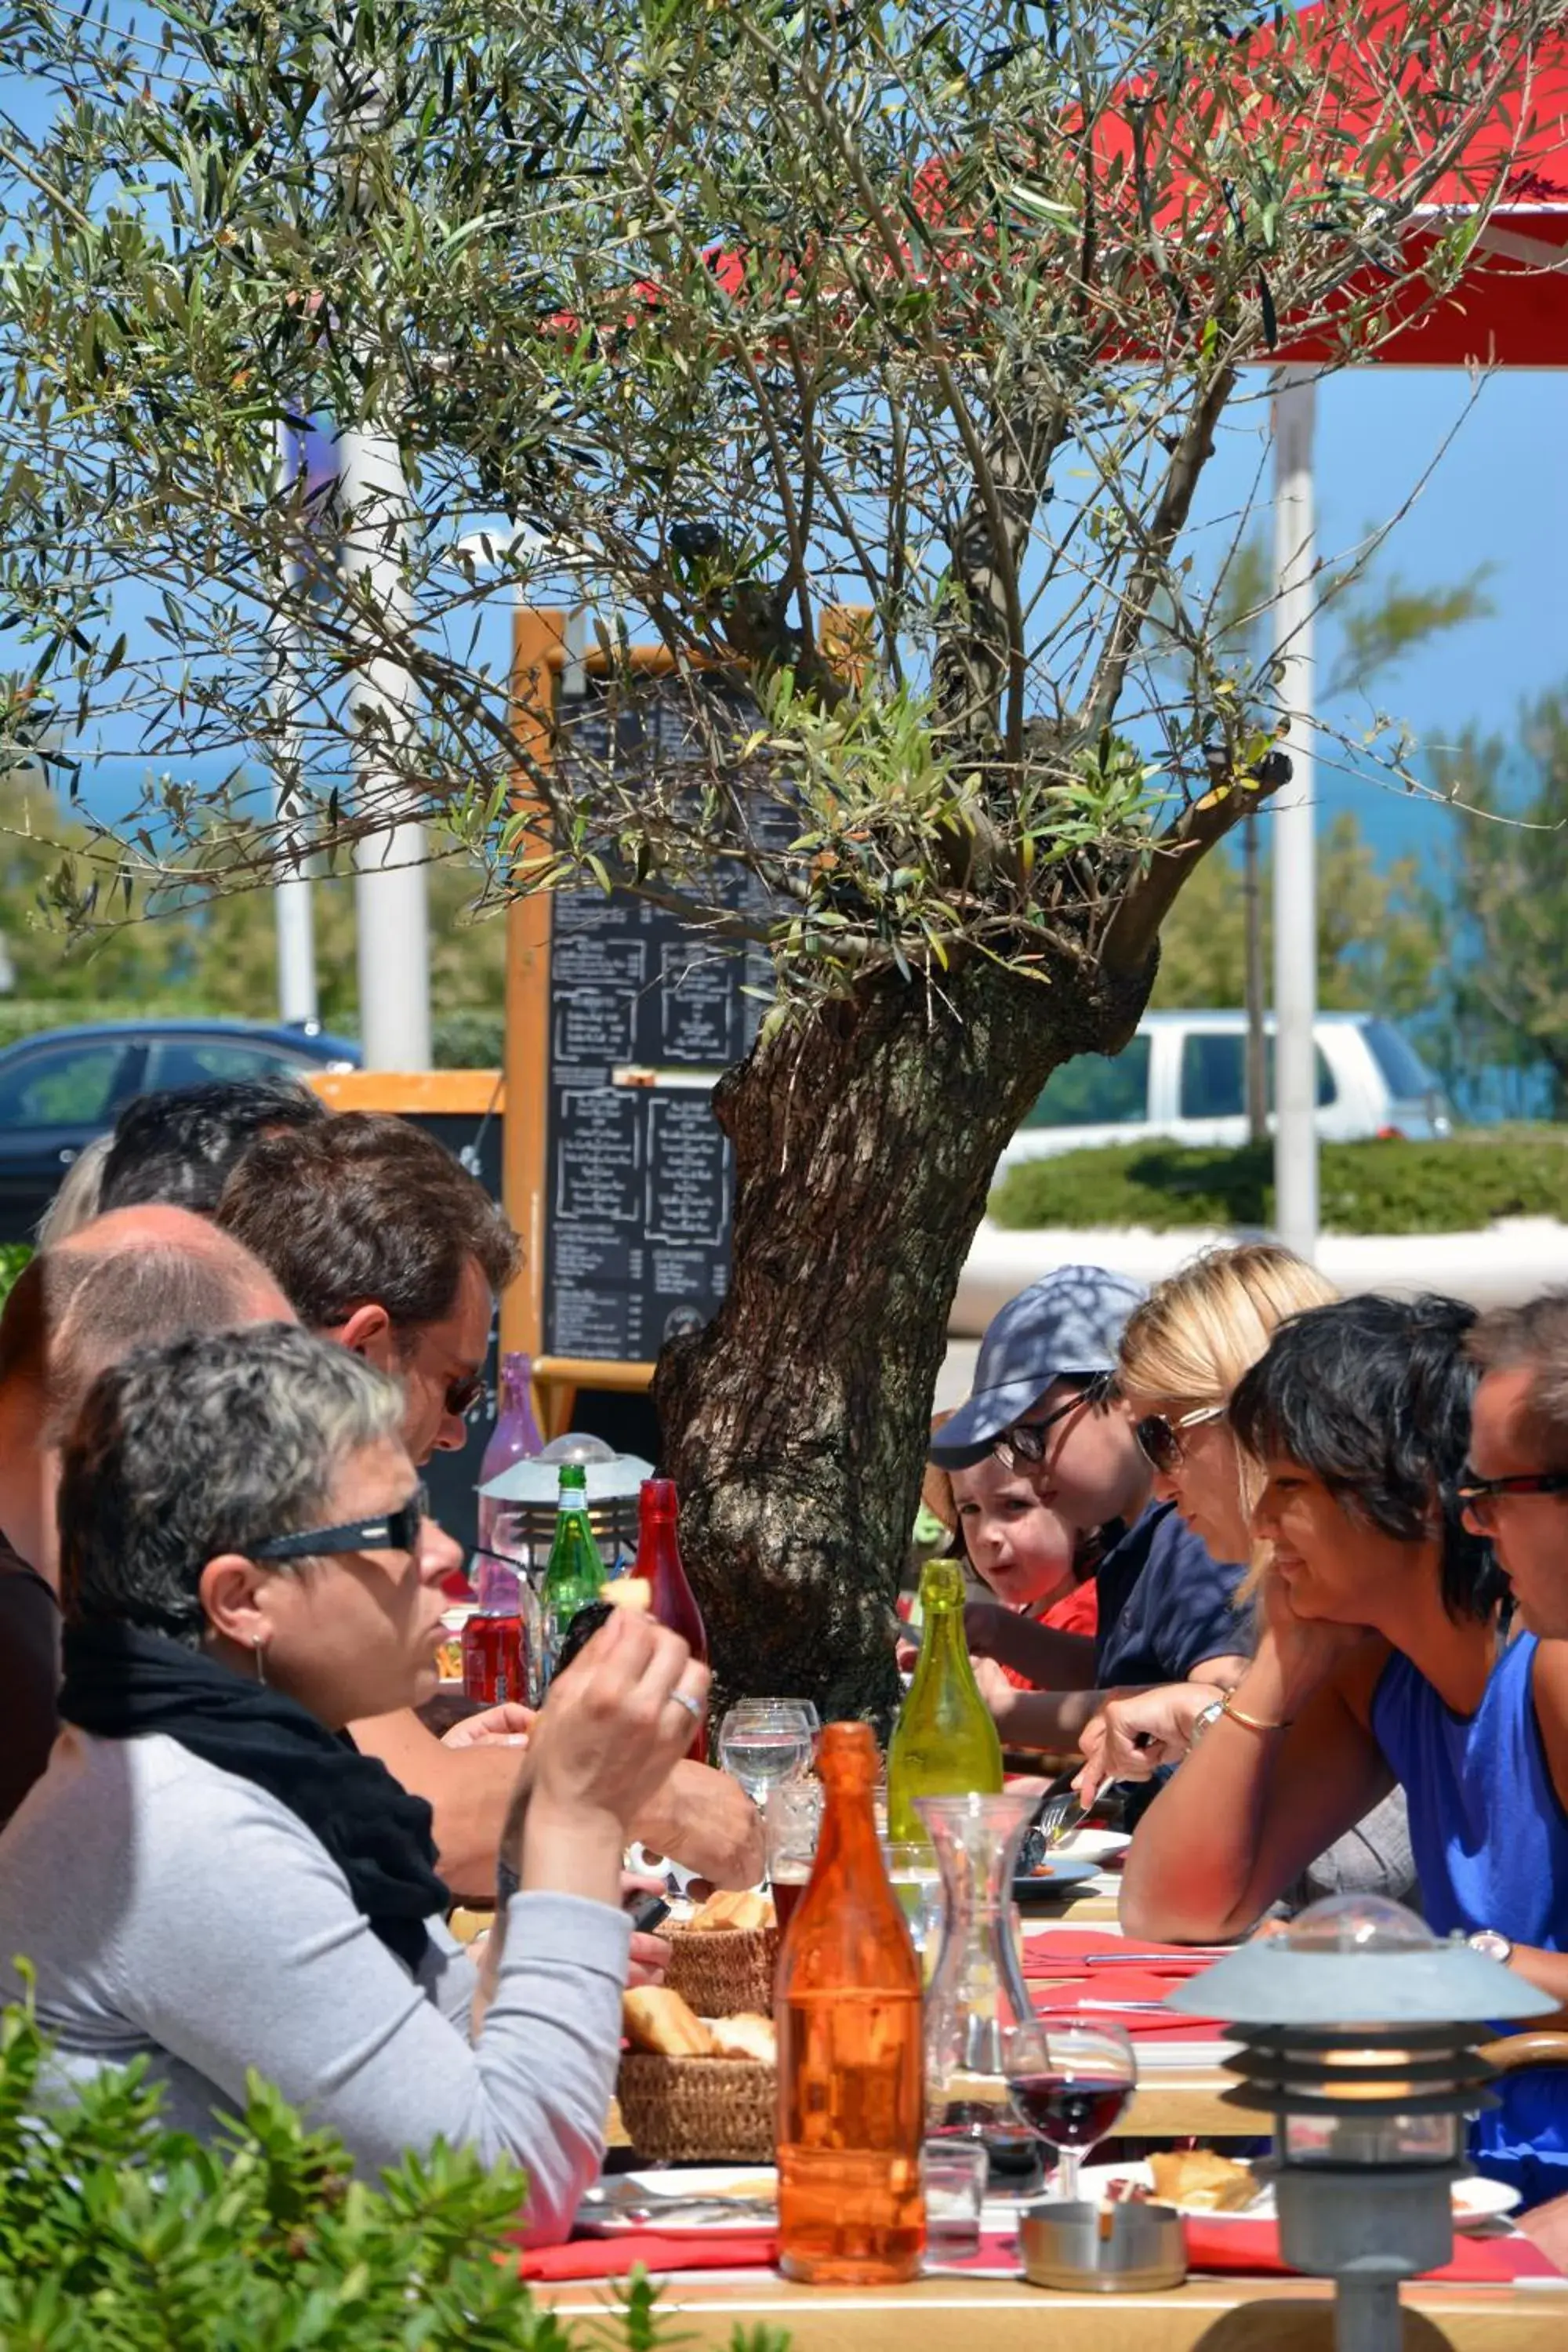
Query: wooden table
x,y
1220,2315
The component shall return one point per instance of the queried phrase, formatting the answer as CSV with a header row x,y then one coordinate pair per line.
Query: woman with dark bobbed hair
x,y
210,1876
1381,1659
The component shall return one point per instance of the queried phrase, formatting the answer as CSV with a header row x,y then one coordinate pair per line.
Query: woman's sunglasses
x,y
1160,1438
388,1531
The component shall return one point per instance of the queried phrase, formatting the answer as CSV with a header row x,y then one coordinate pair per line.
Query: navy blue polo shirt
x,y
1165,1603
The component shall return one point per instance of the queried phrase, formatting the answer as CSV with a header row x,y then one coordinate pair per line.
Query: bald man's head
x,y
135,1277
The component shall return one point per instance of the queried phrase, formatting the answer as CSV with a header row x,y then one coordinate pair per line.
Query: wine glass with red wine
x,y
1070,2084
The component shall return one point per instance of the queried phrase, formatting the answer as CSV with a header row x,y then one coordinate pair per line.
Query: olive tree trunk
x,y
866,1132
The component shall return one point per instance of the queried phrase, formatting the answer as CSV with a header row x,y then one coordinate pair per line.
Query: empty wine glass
x,y
763,1740
1070,2084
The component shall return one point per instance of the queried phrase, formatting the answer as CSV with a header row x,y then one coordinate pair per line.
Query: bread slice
x,y
660,2022
1198,2179
628,1593
744,1909
746,2036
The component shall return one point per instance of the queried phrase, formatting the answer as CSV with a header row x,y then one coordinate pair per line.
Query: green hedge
x,y
1366,1188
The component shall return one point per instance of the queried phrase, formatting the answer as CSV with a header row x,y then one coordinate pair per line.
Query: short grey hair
x,y
207,1444
1535,1339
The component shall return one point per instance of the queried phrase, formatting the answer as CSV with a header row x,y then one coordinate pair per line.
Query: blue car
x,y
62,1088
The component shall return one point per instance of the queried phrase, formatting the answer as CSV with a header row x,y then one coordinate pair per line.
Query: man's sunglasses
x,y
392,1531
463,1395
1159,1437
1471,1490
1025,1440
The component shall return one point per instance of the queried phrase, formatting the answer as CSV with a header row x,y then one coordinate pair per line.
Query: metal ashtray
x,y
1103,2249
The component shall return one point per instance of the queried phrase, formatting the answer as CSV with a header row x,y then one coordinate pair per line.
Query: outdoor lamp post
x,y
1361,2032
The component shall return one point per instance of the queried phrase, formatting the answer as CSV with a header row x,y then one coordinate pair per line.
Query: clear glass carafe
x,y
977,1994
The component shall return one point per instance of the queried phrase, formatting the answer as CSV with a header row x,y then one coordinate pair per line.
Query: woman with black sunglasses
x,y
211,1877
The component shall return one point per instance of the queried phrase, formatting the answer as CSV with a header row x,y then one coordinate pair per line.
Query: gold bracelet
x,y
1251,1722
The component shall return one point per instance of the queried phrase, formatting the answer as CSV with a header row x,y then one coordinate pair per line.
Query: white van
x,y
1182,1079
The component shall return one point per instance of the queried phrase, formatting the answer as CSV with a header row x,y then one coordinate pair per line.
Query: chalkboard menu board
x,y
645,1013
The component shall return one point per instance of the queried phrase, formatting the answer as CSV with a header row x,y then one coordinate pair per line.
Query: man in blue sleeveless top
x,y
1381,1659
1515,1489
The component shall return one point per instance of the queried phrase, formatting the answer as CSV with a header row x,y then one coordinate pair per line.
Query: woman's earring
x,y
261,1661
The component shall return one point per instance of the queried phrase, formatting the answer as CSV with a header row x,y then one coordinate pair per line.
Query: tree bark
x,y
866,1131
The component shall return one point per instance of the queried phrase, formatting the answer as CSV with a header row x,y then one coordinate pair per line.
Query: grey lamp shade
x,y
537,1481
1358,1959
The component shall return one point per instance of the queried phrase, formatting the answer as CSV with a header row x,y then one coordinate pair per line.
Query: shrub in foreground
x,y
119,2235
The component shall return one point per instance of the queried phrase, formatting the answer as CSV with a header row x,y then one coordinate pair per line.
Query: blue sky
x,y
1498,497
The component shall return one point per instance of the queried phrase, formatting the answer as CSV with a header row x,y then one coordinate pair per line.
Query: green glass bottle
x,y
944,1743
575,1573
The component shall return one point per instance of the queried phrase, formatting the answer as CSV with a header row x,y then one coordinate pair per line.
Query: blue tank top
x,y
1489,1831
1491,1839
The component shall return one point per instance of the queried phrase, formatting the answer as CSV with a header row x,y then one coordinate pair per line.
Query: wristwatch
x,y
1202,1720
1491,1944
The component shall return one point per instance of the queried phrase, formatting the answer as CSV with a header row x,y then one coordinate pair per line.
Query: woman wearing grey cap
x,y
1043,1403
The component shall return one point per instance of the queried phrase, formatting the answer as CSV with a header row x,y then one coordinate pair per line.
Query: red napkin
x,y
1253,2247
1076,1999
1085,1952
653,2250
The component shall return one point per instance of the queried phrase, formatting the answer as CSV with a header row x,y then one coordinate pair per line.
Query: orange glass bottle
x,y
851,2063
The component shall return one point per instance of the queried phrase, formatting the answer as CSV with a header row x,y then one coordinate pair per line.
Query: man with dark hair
x,y
385,1244
131,1279
179,1146
1380,1660
1515,1489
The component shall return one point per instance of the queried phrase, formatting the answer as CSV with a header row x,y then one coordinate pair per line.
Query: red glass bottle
x,y
495,1653
670,1597
851,2059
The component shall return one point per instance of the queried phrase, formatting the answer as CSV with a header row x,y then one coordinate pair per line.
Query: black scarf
x,y
122,1682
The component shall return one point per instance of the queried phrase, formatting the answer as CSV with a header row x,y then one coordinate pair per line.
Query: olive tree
x,y
718,320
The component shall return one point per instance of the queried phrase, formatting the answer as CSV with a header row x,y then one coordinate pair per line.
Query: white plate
x,y
1094,1845
1476,2200
668,2191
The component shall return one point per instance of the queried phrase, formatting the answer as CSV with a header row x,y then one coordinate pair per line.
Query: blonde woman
x,y
1183,1353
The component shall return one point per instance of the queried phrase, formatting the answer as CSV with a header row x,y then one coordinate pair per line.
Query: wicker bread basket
x,y
723,1972
698,2110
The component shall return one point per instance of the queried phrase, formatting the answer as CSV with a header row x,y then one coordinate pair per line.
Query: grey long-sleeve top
x,y
171,1908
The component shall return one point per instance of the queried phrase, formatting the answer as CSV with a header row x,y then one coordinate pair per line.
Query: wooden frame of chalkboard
x,y
619,1018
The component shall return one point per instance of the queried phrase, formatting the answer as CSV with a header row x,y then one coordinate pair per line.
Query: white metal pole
x,y
1295,842
292,911
390,896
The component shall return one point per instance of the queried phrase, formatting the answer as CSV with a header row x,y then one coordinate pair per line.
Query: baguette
x,y
659,2021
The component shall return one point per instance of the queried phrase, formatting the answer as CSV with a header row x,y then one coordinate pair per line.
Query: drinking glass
x,y
793,1820
916,1880
763,1740
953,2172
1071,2084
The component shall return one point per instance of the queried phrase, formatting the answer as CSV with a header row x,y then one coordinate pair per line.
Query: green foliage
x,y
1381,937
13,1257
186,954
117,2235
743,315
1507,872
1388,1187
